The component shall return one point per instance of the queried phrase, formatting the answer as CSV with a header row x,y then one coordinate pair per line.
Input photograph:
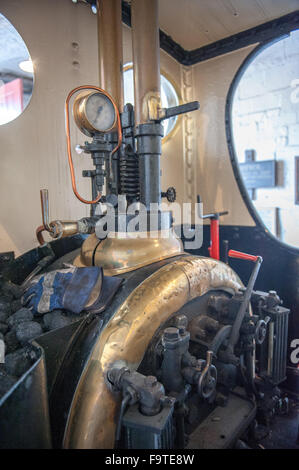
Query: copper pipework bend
x,y
39,235
68,138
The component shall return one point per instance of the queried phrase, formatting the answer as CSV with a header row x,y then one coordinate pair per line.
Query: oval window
x,y
16,73
169,96
264,114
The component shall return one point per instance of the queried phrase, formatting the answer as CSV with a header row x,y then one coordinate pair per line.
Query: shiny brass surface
x,y
146,60
87,250
63,228
110,49
94,410
120,253
80,115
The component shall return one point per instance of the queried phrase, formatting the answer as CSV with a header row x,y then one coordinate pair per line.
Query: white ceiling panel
x,y
195,23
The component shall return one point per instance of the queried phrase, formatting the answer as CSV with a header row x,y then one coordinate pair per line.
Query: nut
x,y
171,333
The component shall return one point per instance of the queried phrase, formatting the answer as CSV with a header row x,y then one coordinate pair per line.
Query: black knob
x,y
170,194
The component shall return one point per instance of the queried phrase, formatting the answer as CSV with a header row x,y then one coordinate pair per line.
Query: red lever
x,y
240,255
214,244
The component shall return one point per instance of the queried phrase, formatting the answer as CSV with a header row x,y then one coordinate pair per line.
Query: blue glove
x,y
70,289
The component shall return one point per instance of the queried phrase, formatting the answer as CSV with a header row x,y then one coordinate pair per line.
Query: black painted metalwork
x,y
258,34
24,411
279,271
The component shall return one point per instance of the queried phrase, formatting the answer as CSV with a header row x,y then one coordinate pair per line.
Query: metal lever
x,y
167,113
208,378
241,255
234,336
56,228
213,215
44,198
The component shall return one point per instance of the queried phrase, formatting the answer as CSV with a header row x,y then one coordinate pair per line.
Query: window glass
x,y
169,96
16,73
265,125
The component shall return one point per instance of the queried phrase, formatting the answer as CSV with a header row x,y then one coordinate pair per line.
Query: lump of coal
x,y
16,305
19,317
17,363
6,382
5,304
3,328
28,330
4,314
11,289
56,319
11,342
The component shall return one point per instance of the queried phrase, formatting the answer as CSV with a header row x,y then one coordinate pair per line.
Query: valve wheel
x,y
207,382
261,331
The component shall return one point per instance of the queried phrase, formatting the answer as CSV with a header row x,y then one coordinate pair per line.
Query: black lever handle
x,y
181,109
214,215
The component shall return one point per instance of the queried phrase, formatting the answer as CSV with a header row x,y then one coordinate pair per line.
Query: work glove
x,y
74,289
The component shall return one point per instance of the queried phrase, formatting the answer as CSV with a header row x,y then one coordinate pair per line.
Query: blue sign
x,y
259,174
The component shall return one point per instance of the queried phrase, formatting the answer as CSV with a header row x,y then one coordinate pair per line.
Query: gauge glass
x,y
100,112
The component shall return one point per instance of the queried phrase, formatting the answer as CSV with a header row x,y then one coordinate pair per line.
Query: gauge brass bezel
x,y
80,115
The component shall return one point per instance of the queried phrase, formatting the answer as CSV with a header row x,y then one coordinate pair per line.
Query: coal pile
x,y
18,326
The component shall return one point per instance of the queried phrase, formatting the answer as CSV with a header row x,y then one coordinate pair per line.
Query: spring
x,y
129,175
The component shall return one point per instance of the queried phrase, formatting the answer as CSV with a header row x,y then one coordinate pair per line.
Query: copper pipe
x,y
110,49
39,234
68,137
146,56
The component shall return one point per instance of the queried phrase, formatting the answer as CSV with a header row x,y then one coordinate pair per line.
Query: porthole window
x,y
16,73
169,96
264,135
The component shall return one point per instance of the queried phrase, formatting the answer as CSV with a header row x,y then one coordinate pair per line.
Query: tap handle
x,y
167,113
44,197
241,255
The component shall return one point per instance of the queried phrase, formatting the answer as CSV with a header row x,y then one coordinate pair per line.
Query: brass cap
x,y
122,252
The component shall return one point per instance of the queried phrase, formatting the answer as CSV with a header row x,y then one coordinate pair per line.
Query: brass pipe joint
x,y
56,228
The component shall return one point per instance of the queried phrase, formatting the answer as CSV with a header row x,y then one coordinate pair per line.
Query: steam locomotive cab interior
x,y
149,235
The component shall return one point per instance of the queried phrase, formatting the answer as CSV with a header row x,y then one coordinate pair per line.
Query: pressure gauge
x,y
94,112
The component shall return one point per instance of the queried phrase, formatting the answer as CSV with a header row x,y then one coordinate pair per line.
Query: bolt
x,y
181,322
168,401
151,381
171,333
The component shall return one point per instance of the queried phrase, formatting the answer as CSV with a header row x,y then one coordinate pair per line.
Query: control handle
x,y
167,113
241,255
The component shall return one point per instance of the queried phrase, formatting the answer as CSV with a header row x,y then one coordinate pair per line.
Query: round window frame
x,y
29,57
178,93
231,147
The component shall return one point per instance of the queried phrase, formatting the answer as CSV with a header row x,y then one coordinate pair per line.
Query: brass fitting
x,y
57,228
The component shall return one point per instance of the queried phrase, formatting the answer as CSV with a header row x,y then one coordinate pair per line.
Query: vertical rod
x,y
146,55
110,49
146,59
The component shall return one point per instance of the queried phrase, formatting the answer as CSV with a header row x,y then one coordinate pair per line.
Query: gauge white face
x,y
100,112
